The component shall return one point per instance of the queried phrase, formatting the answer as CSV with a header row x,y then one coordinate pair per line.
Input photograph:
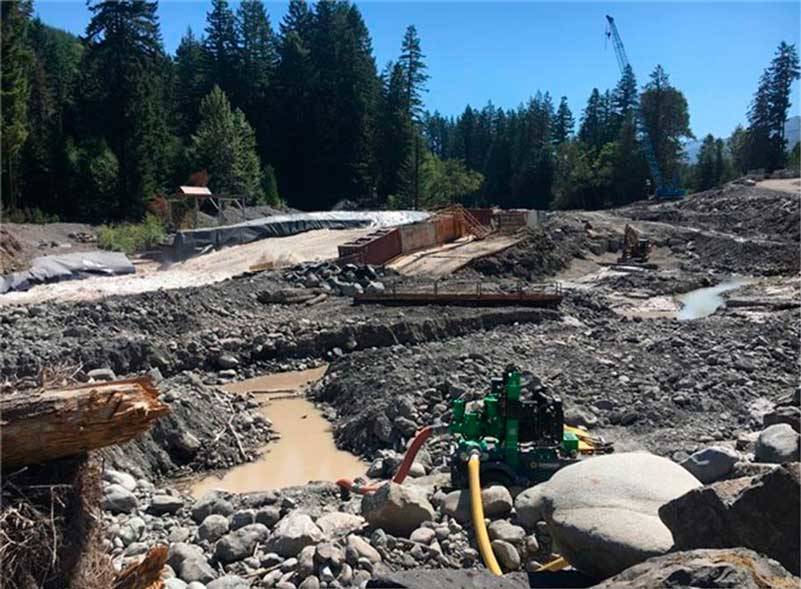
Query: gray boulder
x,y
118,499
213,527
710,568
240,543
164,504
507,555
116,477
293,533
506,531
361,548
398,509
496,499
189,563
760,513
339,523
602,512
778,444
711,464
268,516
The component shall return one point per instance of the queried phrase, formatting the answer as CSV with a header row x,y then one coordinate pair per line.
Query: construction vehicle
x,y
664,190
519,441
636,249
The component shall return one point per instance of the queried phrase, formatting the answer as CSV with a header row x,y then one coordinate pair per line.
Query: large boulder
x,y
602,512
710,568
711,464
397,509
240,543
293,533
497,502
778,444
189,563
118,499
761,513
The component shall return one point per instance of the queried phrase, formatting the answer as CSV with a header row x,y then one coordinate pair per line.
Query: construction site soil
x,y
641,380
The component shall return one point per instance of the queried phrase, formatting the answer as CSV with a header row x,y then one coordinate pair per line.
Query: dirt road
x,y
210,268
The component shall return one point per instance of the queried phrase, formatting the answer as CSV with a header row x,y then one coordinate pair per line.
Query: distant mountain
x,y
792,131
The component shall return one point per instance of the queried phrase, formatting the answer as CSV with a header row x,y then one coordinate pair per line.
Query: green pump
x,y
520,441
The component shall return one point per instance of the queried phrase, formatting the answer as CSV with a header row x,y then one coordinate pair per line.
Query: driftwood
x,y
53,424
145,574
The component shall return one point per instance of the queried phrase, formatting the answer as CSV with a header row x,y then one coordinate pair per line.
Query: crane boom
x,y
663,190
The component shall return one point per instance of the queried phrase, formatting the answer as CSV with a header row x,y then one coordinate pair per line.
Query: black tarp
x,y
191,241
46,269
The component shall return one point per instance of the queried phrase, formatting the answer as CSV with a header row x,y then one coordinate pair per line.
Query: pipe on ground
x,y
477,511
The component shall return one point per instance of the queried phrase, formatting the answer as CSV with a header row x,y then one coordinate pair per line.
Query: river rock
x,y
602,511
175,583
211,502
240,543
268,516
761,513
362,549
116,477
213,527
165,504
339,523
242,518
295,531
506,531
118,499
229,582
189,563
507,555
777,444
711,568
423,535
398,509
711,464
132,530
496,499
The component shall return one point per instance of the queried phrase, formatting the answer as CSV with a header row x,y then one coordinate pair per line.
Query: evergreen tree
x,y
394,134
564,123
760,145
415,77
292,99
738,148
256,67
592,131
667,121
190,81
225,146
220,45
624,98
784,70
124,102
16,59
706,170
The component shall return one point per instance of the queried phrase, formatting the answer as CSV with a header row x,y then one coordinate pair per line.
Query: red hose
x,y
403,470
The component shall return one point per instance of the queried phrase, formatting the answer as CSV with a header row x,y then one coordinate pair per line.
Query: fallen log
x,y
145,574
53,424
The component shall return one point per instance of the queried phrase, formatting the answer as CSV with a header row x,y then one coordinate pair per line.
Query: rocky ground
x,y
717,395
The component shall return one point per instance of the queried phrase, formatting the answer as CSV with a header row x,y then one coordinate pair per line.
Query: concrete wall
x,y
417,236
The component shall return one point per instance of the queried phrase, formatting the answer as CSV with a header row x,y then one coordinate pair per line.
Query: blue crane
x,y
664,190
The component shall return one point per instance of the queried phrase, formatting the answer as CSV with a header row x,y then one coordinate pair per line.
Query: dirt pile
x,y
545,251
746,211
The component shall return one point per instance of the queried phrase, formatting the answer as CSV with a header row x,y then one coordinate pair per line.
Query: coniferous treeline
x,y
96,126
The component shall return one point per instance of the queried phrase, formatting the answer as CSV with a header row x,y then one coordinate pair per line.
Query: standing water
x,y
705,301
306,450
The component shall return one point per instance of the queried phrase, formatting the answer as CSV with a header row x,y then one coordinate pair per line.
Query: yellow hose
x,y
477,510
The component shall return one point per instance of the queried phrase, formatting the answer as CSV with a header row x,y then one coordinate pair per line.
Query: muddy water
x,y
306,450
705,301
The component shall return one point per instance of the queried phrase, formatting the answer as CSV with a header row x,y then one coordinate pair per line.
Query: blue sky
x,y
506,51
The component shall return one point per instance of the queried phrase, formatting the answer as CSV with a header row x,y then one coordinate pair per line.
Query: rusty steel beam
x,y
466,299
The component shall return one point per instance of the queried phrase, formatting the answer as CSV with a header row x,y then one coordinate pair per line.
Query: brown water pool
x,y
306,450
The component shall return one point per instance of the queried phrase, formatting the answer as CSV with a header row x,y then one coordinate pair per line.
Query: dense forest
x,y
94,127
